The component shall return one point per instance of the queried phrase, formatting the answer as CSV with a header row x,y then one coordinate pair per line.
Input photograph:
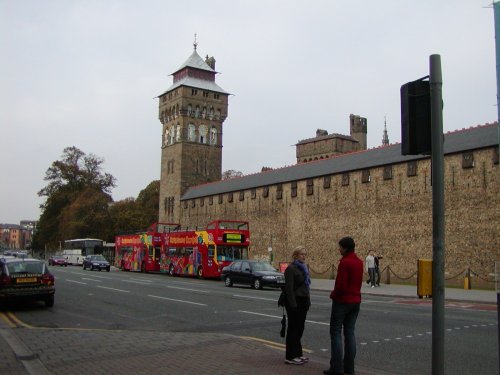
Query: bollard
x,y
467,284
388,277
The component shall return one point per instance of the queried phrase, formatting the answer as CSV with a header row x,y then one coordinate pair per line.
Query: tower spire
x,y
195,44
385,137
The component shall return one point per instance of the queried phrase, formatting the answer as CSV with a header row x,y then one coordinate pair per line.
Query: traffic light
x,y
416,118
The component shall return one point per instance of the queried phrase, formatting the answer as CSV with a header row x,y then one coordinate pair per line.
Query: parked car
x,y
252,272
26,278
97,262
58,260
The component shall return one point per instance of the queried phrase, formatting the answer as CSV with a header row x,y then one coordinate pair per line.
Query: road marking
x,y
189,289
279,317
430,333
77,282
260,298
86,278
102,277
142,280
136,282
177,300
117,290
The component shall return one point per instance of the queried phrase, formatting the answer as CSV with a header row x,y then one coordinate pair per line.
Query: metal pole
x,y
496,14
437,163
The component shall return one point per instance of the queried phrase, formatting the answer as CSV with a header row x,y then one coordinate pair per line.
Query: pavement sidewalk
x,y
38,351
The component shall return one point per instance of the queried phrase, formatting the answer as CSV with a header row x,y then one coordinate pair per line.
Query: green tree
x,y
77,199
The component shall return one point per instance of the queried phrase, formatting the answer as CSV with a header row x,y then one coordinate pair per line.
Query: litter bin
x,y
424,278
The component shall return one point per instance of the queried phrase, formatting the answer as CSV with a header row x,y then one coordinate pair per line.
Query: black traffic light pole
x,y
437,165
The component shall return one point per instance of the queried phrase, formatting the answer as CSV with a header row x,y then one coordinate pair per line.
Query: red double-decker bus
x,y
204,252
141,251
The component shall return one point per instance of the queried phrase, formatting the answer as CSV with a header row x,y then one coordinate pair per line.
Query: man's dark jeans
x,y
343,315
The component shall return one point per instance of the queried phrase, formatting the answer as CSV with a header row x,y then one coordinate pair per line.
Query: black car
x,y
252,272
96,262
26,278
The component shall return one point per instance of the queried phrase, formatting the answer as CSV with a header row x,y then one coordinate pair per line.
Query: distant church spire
x,y
385,137
195,44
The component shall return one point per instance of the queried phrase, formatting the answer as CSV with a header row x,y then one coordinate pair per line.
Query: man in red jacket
x,y
346,298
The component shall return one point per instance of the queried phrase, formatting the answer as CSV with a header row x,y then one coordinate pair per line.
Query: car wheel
x,y
107,269
228,281
199,272
171,270
49,301
257,284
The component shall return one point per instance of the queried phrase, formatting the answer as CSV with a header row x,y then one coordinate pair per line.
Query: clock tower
x,y
191,112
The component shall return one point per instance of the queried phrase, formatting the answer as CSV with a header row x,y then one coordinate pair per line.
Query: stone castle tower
x,y
358,126
192,112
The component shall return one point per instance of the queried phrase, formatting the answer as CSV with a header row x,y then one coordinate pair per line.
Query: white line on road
x,y
279,317
117,290
136,282
77,282
86,278
189,289
142,280
177,300
102,277
262,298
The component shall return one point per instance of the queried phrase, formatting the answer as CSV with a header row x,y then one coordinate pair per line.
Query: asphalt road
x,y
392,334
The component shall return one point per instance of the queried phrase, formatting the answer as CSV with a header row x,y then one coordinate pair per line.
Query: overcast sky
x,y
86,73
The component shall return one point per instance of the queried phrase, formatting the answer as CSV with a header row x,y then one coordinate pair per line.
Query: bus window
x,y
211,251
171,251
151,251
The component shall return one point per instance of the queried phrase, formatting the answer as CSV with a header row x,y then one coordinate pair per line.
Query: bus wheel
x,y
257,284
228,281
199,272
171,270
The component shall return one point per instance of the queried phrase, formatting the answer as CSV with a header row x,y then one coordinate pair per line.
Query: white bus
x,y
75,250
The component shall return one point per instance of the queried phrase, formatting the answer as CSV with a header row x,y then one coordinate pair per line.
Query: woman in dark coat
x,y
297,283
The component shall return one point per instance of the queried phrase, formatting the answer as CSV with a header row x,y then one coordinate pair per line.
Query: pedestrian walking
x,y
297,285
370,268
346,300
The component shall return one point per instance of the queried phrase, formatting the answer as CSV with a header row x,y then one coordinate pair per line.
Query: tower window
x,y
194,92
411,169
365,176
388,172
242,195
345,179
467,160
213,135
265,191
203,133
294,189
192,132
230,197
327,182
216,96
253,193
279,191
310,186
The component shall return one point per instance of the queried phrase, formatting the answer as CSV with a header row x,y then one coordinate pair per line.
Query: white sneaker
x,y
295,361
373,286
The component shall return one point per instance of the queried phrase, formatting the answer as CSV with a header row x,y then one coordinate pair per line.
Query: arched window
x,y
172,135
204,112
190,109
197,111
202,130
192,132
213,135
178,133
211,113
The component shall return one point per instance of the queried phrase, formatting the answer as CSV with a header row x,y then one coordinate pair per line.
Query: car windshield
x,y
98,257
57,257
26,267
262,267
